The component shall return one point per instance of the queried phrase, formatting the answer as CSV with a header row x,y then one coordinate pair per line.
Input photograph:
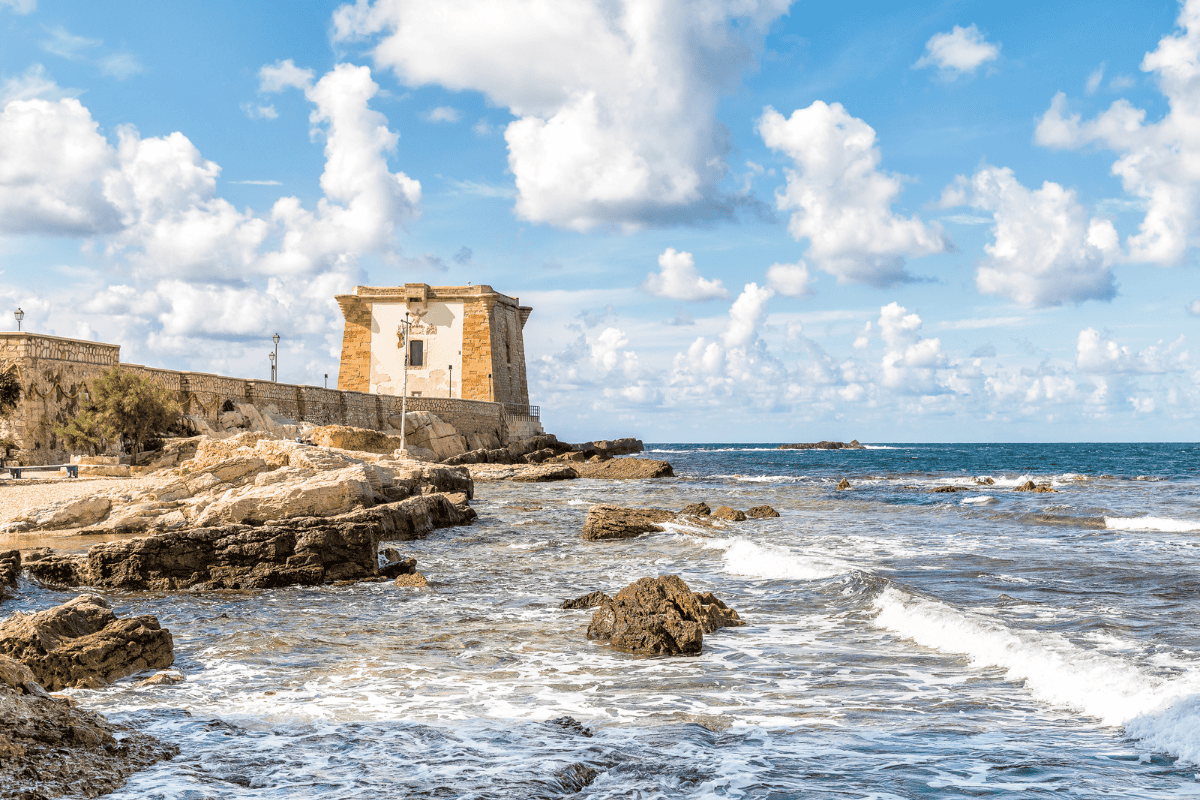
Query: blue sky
x,y
736,221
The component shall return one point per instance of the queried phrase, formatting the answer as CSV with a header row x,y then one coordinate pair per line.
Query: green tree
x,y
132,407
86,431
10,390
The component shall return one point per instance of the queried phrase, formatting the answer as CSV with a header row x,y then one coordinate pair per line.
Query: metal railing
x,y
514,411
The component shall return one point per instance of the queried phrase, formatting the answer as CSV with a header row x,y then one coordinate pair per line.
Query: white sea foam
x,y
881,447
743,557
764,478
1163,713
1151,524
981,500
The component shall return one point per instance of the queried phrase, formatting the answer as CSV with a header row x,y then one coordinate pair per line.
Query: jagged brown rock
x,y
761,512
49,747
10,570
1030,486
697,510
305,551
82,643
729,514
660,616
590,600
413,580
949,489
611,447
843,484
625,469
615,522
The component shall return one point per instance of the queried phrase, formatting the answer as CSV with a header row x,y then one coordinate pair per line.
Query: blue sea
x,y
900,642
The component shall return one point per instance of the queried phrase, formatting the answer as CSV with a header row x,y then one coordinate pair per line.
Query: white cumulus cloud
x,y
283,75
841,200
442,114
677,279
1045,249
615,101
746,315
1158,162
959,51
790,280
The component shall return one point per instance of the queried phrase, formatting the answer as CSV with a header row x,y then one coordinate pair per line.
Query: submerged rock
x,y
614,522
304,551
49,747
83,643
949,489
660,616
413,580
590,600
730,514
761,512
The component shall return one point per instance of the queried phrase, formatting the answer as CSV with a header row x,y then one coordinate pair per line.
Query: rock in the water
x,y
697,510
1030,486
625,468
611,447
985,481
10,569
547,473
729,514
587,601
83,643
761,512
413,580
398,567
614,522
949,489
49,747
168,678
660,616
304,551
844,484
854,445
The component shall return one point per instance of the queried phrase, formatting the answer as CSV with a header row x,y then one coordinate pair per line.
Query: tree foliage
x,y
10,390
123,406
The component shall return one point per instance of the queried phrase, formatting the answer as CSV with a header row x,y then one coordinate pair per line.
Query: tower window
x,y
416,353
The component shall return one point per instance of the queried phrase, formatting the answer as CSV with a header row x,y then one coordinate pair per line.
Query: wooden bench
x,y
72,469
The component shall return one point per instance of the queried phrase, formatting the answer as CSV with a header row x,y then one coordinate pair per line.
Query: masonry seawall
x,y
56,375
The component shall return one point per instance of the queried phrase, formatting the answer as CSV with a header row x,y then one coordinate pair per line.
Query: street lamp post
x,y
274,358
403,332
451,394
326,380
20,315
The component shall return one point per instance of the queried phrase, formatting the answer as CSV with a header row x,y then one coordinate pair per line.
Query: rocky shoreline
x,y
248,512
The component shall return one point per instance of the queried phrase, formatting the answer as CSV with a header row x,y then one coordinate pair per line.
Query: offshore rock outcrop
x,y
82,643
49,747
761,512
307,551
614,522
660,616
825,445
625,469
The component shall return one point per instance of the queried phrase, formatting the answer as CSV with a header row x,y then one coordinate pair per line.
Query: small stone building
x,y
465,342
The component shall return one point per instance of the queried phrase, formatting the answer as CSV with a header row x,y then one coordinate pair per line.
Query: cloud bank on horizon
x,y
718,215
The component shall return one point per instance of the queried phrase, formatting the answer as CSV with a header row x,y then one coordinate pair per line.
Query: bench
x,y
72,469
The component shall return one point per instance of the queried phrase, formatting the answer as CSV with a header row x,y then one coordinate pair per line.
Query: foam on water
x,y
744,557
1151,524
981,500
1164,713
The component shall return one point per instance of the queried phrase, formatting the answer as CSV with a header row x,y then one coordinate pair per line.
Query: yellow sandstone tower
x,y
466,342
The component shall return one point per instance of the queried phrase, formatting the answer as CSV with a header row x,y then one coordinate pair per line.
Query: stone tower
x,y
466,342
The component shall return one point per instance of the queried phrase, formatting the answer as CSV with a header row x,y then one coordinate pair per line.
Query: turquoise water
x,y
900,643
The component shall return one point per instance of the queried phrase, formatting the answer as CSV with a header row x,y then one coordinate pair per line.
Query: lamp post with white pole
x,y
20,315
272,357
275,358
403,334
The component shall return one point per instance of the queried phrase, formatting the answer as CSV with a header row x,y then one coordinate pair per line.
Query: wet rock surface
x,y
547,473
49,747
660,616
305,551
697,510
614,522
761,512
10,570
1039,488
843,484
729,514
590,600
82,643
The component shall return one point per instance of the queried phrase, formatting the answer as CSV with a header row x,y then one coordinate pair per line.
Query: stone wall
x,y
56,375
